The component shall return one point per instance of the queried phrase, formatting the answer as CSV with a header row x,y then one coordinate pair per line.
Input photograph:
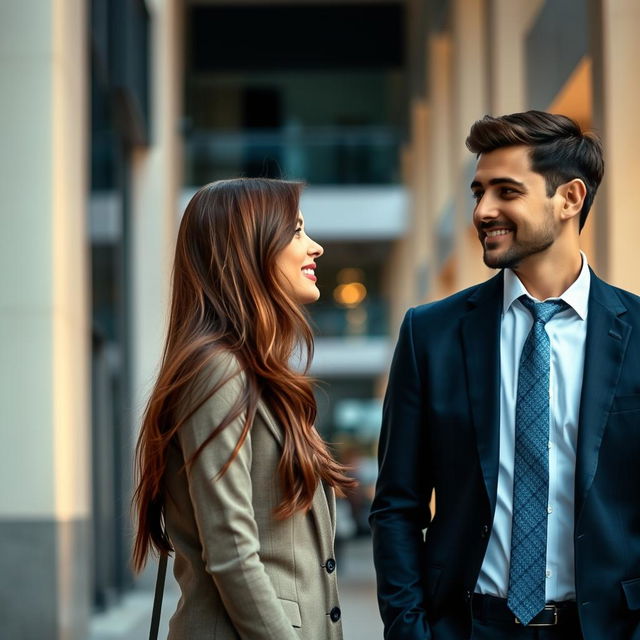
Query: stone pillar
x,y
439,51
616,48
44,322
421,246
470,102
509,21
440,73
157,181
156,186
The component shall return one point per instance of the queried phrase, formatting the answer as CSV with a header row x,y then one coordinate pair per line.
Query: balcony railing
x,y
367,319
319,155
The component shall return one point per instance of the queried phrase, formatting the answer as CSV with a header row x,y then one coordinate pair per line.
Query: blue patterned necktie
x,y
527,570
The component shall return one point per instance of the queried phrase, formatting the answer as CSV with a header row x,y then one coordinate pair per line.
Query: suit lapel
x,y
323,507
321,510
606,343
481,344
270,422
330,498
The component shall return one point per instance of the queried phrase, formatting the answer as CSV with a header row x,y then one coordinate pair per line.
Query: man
x,y
517,402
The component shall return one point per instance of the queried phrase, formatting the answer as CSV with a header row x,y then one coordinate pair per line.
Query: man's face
x,y
512,214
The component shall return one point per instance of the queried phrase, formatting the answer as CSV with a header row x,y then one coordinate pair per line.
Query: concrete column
x,y
399,277
508,23
156,186
440,181
157,180
44,323
439,52
470,102
616,48
422,247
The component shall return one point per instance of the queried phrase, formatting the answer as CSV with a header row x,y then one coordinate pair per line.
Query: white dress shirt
x,y
567,332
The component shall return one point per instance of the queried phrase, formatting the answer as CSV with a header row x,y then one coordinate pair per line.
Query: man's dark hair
x,y
560,150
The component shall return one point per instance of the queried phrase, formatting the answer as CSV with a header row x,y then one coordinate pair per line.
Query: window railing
x,y
319,155
367,319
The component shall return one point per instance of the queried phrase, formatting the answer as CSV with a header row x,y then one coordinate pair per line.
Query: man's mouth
x,y
493,233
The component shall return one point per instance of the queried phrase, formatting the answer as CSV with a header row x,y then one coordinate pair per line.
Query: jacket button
x,y
330,565
467,596
335,614
484,532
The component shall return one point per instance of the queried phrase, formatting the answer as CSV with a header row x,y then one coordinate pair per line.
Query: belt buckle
x,y
547,607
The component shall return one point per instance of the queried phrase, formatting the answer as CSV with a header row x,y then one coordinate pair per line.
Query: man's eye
x,y
477,196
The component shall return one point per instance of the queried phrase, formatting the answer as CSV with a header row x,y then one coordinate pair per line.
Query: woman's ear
x,y
573,194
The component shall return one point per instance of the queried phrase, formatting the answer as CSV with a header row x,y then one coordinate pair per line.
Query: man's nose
x,y
486,209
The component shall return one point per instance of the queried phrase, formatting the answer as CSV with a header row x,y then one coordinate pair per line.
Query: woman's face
x,y
296,263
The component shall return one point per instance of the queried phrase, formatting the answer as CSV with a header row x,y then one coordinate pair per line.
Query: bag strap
x,y
157,598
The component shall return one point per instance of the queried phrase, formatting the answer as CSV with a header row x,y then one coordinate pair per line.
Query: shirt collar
x,y
576,296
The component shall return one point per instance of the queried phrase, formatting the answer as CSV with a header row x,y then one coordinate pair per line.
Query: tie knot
x,y
543,311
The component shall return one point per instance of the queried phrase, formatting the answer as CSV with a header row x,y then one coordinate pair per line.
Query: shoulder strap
x,y
157,598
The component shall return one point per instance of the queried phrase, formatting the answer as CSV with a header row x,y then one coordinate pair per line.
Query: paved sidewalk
x,y
130,619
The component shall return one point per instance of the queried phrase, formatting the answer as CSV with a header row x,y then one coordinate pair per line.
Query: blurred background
x,y
112,113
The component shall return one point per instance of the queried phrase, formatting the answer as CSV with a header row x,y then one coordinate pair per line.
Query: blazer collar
x,y
480,330
323,507
607,339
606,343
270,421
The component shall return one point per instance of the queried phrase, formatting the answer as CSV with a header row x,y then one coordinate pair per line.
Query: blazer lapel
x,y
481,344
270,422
323,507
330,498
321,513
606,343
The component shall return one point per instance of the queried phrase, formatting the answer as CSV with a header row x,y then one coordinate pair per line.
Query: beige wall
x,y
43,258
157,179
45,504
508,22
477,65
470,101
616,100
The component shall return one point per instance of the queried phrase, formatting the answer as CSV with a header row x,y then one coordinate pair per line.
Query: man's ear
x,y
573,194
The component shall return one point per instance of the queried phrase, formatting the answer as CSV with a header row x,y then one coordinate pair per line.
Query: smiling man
x,y
518,402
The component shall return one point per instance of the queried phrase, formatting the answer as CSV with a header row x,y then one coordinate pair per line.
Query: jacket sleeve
x,y
400,509
224,513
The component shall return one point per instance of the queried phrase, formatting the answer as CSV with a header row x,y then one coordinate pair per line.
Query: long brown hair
x,y
227,296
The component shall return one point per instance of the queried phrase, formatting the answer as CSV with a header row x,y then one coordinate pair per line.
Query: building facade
x,y
492,56
114,111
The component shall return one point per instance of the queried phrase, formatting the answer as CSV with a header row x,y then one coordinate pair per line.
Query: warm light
x,y
350,274
351,294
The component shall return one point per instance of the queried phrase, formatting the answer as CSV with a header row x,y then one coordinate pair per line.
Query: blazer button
x,y
335,614
330,565
484,531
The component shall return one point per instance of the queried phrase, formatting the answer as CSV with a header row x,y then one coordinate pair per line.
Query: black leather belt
x,y
492,609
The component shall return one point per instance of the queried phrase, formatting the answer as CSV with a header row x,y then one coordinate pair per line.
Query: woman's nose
x,y
316,249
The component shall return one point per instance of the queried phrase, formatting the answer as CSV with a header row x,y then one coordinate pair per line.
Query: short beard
x,y
512,258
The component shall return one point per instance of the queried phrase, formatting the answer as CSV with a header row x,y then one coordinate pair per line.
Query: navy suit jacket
x,y
441,431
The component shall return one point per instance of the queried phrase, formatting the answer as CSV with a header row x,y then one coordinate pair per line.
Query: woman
x,y
233,477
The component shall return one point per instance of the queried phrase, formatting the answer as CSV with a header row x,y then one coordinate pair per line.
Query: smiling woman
x,y
297,265
232,475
